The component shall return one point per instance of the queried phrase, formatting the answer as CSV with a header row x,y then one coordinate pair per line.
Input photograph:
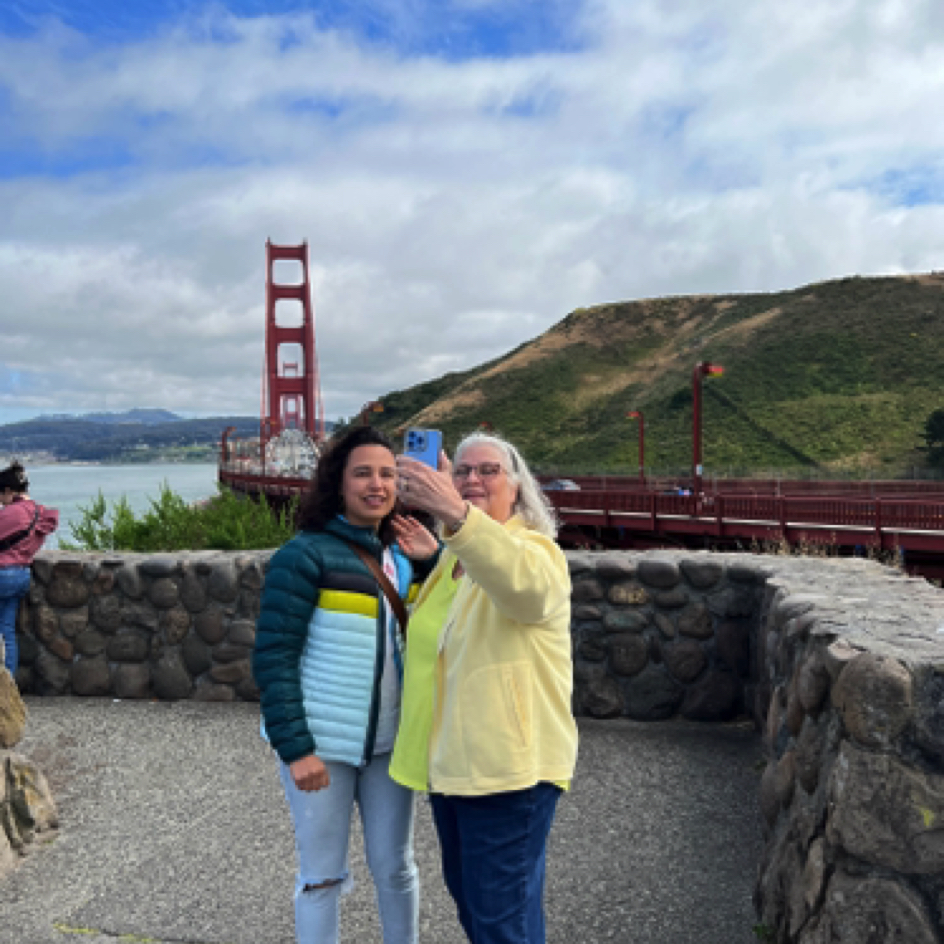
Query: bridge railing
x,y
841,512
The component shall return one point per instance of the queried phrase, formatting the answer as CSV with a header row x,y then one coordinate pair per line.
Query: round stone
x,y
132,681
130,582
673,599
701,573
874,695
629,654
67,592
193,593
231,672
696,622
163,593
602,697
663,574
72,622
196,655
627,594
105,613
242,633
586,589
209,626
169,679
90,643
130,646
175,623
222,584
593,650
653,695
91,676
685,660
625,621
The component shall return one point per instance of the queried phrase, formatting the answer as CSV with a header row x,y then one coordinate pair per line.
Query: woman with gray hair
x,y
486,723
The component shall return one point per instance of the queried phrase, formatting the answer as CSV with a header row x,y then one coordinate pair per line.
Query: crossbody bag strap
x,y
11,540
390,592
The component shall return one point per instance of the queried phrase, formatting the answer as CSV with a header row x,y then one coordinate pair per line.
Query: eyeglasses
x,y
484,470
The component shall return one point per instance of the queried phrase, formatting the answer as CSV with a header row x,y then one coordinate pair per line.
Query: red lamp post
x,y
637,415
702,369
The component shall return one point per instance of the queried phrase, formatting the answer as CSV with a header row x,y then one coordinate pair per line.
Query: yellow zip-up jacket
x,y
502,715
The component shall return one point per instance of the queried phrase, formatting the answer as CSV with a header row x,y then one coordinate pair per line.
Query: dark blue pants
x,y
493,854
14,584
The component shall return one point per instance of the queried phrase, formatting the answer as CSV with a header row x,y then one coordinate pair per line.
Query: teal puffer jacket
x,y
320,645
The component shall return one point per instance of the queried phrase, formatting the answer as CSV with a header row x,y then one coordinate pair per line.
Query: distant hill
x,y
145,417
137,436
836,376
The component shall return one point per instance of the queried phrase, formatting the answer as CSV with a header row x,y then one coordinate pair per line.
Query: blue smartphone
x,y
423,445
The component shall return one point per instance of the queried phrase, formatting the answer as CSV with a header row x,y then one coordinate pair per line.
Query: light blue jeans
x,y
14,585
322,821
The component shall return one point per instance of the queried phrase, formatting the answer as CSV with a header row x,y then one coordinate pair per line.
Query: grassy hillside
x,y
838,376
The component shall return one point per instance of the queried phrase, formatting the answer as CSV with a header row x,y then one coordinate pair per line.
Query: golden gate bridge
x,y
903,518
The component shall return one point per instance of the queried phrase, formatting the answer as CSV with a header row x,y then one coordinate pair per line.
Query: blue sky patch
x,y
439,28
911,186
84,156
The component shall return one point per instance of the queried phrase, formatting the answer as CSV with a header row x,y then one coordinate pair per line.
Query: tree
x,y
934,437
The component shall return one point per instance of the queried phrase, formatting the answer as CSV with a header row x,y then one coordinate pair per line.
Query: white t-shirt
x,y
388,717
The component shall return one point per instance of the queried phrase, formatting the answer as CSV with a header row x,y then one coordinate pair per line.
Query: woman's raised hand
x,y
415,540
427,489
310,773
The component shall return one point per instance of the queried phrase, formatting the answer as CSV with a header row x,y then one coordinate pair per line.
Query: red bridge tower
x,y
291,397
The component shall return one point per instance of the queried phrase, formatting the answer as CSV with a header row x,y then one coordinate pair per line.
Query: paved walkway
x,y
173,829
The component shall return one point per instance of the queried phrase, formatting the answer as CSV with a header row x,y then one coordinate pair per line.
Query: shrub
x,y
226,522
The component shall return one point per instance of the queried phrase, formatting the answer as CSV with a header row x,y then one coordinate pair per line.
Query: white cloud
x,y
453,209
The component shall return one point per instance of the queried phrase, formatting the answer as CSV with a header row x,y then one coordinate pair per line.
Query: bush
x,y
226,522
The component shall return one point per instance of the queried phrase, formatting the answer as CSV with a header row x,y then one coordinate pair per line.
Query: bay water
x,y
68,487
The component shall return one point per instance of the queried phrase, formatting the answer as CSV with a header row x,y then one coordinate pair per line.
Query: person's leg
x,y
387,814
503,839
322,821
450,848
14,584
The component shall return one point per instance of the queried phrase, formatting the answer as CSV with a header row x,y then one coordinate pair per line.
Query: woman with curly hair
x,y
328,661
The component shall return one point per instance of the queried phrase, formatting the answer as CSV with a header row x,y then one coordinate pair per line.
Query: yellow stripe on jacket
x,y
348,601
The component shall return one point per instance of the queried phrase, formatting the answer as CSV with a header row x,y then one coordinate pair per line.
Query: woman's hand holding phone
x,y
427,489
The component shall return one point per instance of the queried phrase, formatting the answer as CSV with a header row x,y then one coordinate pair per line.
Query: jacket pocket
x,y
496,719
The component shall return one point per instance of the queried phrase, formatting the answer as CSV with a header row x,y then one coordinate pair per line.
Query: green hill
x,y
836,377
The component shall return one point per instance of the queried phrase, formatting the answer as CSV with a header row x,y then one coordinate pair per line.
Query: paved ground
x,y
173,829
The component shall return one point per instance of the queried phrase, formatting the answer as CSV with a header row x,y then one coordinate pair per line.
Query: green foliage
x,y
226,522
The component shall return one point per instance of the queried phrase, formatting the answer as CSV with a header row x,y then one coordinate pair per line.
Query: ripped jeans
x,y
322,823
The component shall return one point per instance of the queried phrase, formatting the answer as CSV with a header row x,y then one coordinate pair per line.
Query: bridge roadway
x,y
619,511
174,831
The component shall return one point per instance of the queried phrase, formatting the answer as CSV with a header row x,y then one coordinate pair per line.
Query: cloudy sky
x,y
466,172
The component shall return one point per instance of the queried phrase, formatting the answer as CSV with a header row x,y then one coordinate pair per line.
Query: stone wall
x,y
839,662
141,626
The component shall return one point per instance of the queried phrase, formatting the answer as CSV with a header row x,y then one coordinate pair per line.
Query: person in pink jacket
x,y
24,526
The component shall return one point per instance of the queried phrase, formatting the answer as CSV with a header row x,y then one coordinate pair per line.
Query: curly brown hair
x,y
322,502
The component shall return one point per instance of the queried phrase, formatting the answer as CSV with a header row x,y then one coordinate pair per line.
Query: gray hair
x,y
531,504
